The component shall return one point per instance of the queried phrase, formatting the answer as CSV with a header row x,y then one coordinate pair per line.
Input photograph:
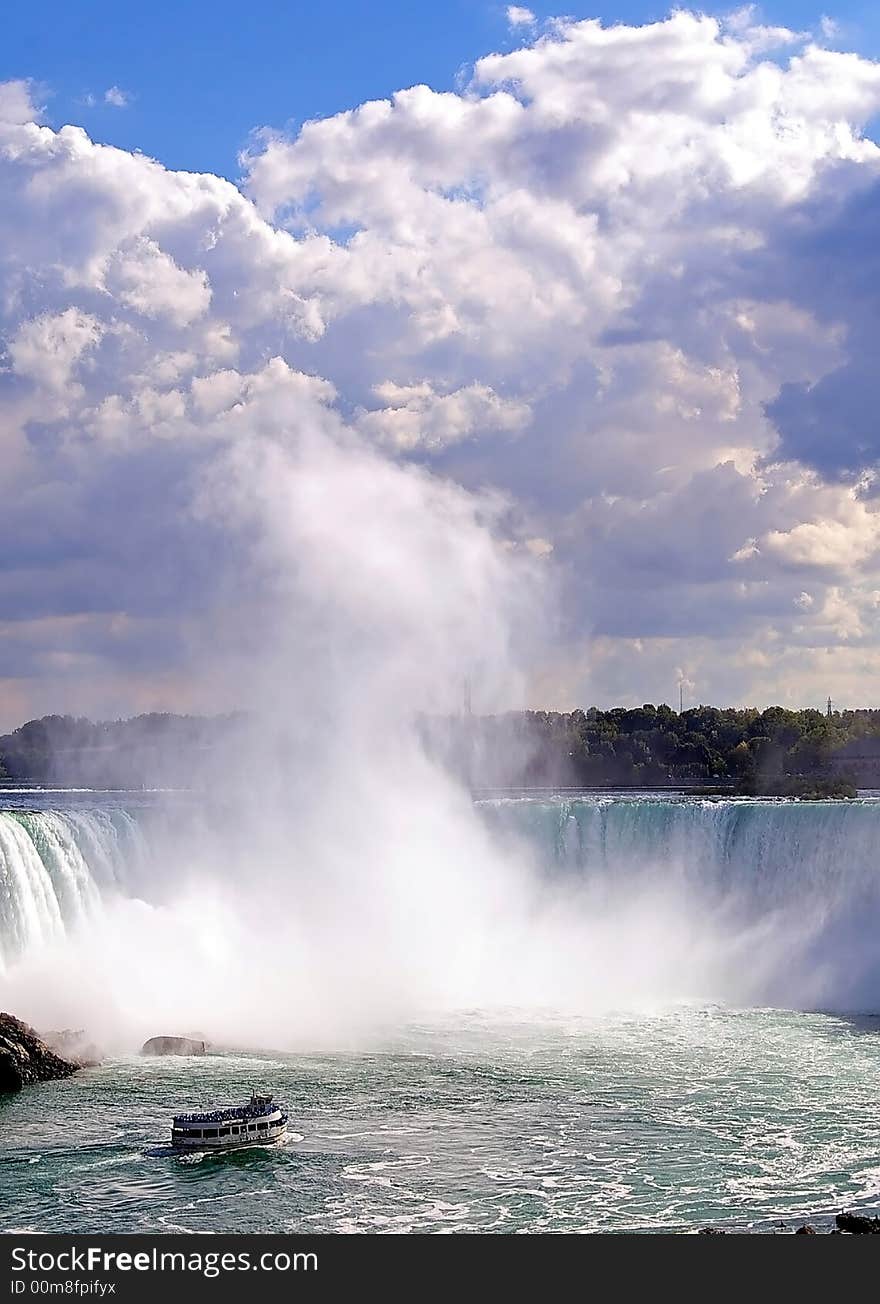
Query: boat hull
x,y
228,1143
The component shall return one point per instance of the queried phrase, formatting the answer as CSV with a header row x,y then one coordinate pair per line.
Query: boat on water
x,y
258,1122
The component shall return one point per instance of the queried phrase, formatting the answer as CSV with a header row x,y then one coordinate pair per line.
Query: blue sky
x,y
199,77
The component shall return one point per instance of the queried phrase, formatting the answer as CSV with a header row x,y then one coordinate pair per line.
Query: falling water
x,y
764,852
58,867
598,903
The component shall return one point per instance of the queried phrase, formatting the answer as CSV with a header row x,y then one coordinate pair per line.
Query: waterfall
x,y
785,894
766,852
55,869
579,900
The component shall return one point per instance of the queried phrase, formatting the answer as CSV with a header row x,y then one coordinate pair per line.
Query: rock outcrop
x,y
174,1046
857,1222
73,1044
25,1058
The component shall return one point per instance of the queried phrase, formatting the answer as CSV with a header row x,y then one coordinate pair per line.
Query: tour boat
x,y
256,1123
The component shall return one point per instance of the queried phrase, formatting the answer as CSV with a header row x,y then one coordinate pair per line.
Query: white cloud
x,y
116,97
538,547
145,278
519,16
581,284
755,36
417,415
17,102
48,348
836,544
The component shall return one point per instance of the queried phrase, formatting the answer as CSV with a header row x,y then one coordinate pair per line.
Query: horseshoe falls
x,y
771,901
608,897
751,857
608,1013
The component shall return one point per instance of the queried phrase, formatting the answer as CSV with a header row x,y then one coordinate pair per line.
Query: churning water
x,y
660,1092
656,1123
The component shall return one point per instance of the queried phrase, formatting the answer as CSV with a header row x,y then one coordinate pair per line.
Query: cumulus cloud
x,y
17,103
624,280
841,545
48,349
415,416
143,277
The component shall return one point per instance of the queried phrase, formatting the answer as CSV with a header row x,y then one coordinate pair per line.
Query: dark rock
x,y
711,1231
806,1230
25,1058
174,1046
856,1222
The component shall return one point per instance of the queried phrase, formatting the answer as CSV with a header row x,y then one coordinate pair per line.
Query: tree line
x,y
159,749
774,750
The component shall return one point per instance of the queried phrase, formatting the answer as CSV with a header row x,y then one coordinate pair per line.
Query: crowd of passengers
x,y
224,1115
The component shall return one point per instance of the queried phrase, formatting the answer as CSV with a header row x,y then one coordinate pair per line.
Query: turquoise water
x,y
661,1123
